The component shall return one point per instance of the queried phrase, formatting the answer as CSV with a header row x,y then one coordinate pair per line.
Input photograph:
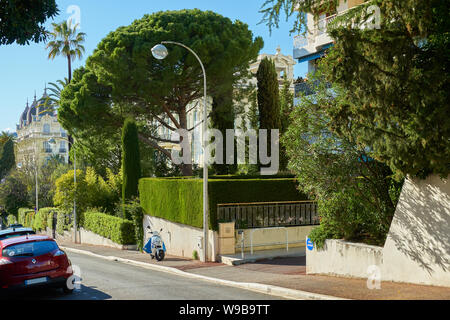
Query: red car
x,y
33,260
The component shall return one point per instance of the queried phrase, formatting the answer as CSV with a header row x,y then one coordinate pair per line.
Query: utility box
x,y
226,230
227,240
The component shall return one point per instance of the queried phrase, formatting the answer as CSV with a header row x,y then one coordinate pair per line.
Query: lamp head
x,y
160,51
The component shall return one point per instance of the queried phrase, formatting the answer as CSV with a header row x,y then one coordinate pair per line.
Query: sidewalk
x,y
286,272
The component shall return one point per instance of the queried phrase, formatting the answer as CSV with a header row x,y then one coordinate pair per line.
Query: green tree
x,y
355,193
131,161
268,98
22,21
14,193
66,41
394,80
286,108
122,79
268,95
7,158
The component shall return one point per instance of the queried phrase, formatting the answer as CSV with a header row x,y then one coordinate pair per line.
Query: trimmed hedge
x,y
116,229
44,219
11,219
25,217
181,200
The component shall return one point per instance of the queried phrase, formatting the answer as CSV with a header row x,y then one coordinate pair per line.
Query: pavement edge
x,y
256,287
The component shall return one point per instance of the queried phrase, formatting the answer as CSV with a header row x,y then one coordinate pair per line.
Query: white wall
x,y
417,249
181,240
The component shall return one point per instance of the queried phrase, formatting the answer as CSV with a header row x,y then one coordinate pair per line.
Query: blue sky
x,y
24,69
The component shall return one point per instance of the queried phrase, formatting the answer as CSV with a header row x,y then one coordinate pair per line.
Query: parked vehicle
x,y
11,232
155,245
33,260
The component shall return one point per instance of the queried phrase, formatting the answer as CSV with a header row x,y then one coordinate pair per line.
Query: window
x,y
46,128
31,249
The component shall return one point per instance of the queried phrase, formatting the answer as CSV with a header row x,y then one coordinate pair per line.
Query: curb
x,y
256,287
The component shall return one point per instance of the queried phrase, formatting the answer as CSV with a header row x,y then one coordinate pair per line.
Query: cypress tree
x,y
7,158
268,98
268,95
131,161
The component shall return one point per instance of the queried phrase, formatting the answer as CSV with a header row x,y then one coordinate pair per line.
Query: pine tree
x,y
286,108
130,161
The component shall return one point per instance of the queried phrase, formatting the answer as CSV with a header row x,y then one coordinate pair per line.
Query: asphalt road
x,y
106,280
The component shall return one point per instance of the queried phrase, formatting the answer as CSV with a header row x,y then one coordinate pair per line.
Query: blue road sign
x,y
309,244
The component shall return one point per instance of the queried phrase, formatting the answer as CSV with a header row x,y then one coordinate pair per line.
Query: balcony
x,y
314,40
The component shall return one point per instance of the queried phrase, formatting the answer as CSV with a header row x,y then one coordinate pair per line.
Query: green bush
x,y
118,230
44,219
181,200
23,216
134,210
11,219
62,222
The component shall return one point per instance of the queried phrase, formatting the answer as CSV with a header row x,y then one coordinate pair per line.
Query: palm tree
x,y
66,41
54,98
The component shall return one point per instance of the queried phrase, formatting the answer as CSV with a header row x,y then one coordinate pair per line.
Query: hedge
x,y
11,219
44,219
181,200
25,217
116,229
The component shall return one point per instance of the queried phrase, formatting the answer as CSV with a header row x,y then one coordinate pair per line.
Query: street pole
x,y
53,142
36,164
205,157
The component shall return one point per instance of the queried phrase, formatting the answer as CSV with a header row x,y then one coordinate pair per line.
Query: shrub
x,y
118,230
11,219
181,200
134,210
22,215
44,219
63,222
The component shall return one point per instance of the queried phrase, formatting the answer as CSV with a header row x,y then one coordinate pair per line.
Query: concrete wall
x,y
417,249
181,240
88,237
343,258
272,238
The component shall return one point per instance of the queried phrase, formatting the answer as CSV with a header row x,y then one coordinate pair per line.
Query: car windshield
x,y
30,249
16,234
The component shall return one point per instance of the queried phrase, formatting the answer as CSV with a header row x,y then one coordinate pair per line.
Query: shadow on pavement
x,y
84,293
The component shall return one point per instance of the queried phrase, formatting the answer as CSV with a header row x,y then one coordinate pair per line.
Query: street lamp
x,y
160,52
52,142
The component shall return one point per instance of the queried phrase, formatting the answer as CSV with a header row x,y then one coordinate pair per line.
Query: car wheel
x,y
66,288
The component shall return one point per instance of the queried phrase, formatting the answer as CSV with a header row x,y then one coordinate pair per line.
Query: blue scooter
x,y
155,245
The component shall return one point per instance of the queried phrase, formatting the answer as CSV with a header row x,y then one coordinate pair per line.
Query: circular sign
x,y
309,244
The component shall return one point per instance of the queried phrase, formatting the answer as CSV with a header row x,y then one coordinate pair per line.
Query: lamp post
x,y
160,52
52,142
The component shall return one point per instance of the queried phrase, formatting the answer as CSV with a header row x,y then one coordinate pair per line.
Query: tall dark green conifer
x,y
131,160
268,95
7,158
268,98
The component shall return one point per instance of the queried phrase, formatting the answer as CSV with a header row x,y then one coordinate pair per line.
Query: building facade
x,y
284,65
310,47
37,125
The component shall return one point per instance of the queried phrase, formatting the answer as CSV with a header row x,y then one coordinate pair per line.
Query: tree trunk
x,y
69,64
186,168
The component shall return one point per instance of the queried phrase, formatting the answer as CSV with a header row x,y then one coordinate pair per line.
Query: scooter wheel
x,y
160,255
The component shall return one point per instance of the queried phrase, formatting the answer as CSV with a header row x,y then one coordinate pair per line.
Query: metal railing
x,y
269,214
